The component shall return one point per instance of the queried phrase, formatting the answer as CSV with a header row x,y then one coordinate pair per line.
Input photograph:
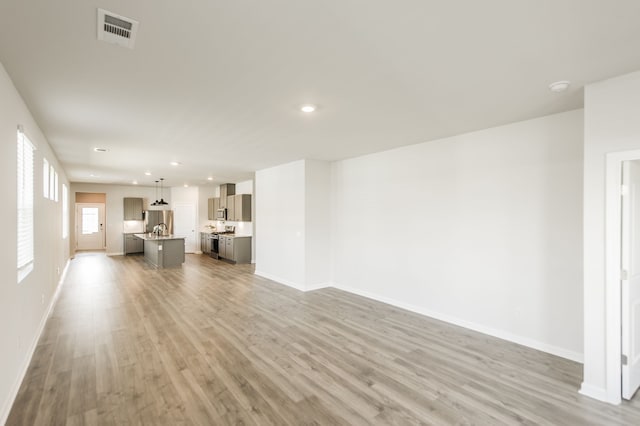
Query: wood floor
x,y
213,344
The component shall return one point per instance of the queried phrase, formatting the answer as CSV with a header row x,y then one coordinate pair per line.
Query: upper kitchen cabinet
x,y
213,204
242,206
133,208
225,191
239,208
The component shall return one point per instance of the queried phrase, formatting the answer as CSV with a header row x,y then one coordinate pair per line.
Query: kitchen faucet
x,y
160,228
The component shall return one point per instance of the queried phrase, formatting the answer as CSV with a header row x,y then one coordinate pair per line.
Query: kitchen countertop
x,y
154,237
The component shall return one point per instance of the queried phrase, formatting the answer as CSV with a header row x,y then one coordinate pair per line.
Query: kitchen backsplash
x,y
133,226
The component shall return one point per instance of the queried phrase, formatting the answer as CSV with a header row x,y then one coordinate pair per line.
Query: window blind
x,y
65,211
55,183
45,178
25,205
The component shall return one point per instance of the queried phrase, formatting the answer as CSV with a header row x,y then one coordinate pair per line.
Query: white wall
x,y
114,210
280,222
317,224
612,108
482,229
24,306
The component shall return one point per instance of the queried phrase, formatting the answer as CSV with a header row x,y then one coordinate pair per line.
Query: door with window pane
x,y
89,226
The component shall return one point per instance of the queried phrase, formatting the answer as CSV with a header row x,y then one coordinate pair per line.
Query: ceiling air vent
x,y
116,29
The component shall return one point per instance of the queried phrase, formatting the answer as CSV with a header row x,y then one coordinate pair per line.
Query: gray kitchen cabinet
x,y
211,212
216,206
242,209
164,252
205,242
226,190
132,244
213,204
222,246
132,208
235,249
231,208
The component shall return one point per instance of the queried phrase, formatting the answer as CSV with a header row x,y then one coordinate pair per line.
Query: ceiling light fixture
x,y
147,173
175,163
559,86
100,149
209,178
162,202
186,186
308,108
135,182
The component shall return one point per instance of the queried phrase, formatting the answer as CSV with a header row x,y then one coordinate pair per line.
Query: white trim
x,y
301,287
501,334
13,393
595,392
279,280
117,253
318,286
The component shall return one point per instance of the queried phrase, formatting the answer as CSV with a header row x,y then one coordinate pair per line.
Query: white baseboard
x,y
6,409
318,286
596,392
501,334
118,253
297,286
288,283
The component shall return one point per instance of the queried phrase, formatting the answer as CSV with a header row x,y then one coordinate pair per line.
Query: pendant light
x,y
156,203
162,201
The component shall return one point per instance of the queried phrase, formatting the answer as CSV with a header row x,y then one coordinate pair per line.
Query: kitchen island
x,y
163,251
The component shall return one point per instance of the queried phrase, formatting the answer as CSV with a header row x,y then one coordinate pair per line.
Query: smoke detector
x,y
116,29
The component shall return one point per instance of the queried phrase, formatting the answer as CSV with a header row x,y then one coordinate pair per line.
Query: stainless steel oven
x,y
221,214
215,246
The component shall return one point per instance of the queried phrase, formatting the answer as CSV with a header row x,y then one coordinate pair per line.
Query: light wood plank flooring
x,y
210,343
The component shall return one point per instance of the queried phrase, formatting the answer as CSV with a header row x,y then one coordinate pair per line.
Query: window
x,y
25,205
45,178
55,184
51,182
65,211
90,220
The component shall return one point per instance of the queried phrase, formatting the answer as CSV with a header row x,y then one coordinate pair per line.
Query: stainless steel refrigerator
x,y
156,217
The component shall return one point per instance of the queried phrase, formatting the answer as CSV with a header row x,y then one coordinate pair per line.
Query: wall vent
x,y
116,29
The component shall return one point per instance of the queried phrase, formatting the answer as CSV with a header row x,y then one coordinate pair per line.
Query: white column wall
x,y
280,224
612,108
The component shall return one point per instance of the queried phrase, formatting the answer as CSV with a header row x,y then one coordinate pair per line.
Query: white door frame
x,y
613,260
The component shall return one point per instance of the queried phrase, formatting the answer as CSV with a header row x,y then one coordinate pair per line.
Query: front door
x,y
630,278
89,226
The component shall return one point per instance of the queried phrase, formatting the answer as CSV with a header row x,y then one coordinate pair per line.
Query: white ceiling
x,y
217,84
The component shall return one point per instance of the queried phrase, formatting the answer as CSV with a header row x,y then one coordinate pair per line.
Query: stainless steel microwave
x,y
221,214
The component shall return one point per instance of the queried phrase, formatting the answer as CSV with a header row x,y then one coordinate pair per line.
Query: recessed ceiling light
x,y
308,108
147,173
135,182
209,178
175,163
92,175
559,86
100,149
186,186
